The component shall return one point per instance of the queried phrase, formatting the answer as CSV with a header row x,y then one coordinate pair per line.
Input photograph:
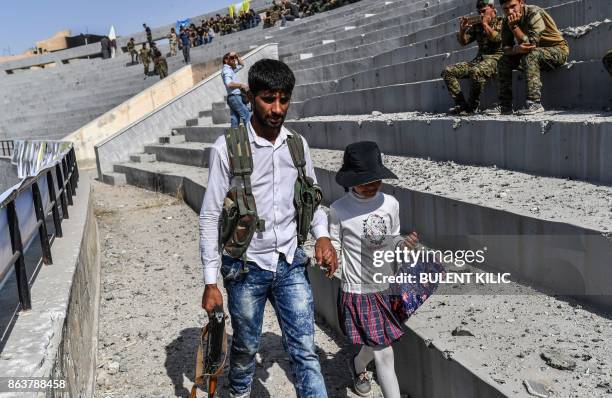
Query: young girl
x,y
361,222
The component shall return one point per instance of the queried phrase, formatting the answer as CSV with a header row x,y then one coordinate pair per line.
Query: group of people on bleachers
x,y
289,10
525,38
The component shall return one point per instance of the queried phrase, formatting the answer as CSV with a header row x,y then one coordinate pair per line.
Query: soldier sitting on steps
x,y
161,66
531,40
487,33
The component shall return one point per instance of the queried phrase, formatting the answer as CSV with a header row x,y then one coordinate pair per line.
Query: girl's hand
x,y
411,241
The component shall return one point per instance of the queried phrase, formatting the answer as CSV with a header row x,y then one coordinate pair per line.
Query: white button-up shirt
x,y
273,181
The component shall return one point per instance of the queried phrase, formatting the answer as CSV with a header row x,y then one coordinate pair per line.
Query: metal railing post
x,y
42,229
62,190
54,205
70,192
75,168
23,287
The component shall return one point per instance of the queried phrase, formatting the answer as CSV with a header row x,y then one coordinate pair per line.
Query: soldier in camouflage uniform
x,y
488,36
161,66
131,47
173,40
607,61
145,57
531,41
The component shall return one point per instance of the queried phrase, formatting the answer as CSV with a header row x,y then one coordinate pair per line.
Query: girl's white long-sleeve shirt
x,y
358,228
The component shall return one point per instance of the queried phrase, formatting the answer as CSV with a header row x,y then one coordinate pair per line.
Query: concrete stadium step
x,y
54,113
371,25
187,153
116,179
405,15
448,17
506,142
71,101
574,86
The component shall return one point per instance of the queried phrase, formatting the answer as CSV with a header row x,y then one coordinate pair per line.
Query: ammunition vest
x,y
239,219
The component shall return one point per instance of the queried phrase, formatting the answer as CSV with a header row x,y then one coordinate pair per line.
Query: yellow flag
x,y
231,10
246,5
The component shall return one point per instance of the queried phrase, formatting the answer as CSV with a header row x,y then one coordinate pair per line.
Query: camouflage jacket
x,y
487,46
145,55
130,47
539,29
172,38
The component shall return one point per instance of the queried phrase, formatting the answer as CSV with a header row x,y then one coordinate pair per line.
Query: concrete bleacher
x,y
371,72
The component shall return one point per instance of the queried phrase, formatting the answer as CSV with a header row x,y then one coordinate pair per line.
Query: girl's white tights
x,y
385,368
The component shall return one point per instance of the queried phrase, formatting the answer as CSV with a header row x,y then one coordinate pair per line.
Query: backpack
x,y
239,219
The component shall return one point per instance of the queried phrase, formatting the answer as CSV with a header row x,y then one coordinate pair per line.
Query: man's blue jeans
x,y
238,110
288,289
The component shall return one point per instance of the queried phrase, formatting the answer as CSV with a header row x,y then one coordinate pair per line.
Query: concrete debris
x,y
579,31
112,368
456,124
537,389
558,360
545,126
460,331
376,113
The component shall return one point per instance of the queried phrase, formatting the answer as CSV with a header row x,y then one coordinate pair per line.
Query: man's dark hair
x,y
226,57
271,74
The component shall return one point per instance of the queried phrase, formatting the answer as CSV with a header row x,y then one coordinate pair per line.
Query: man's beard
x,y
263,121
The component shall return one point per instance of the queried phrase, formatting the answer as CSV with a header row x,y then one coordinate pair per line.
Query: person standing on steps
x,y
105,44
531,41
145,57
232,63
148,33
173,40
487,33
274,258
185,44
131,47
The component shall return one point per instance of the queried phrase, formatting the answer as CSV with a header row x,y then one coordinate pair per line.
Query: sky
x,y
24,22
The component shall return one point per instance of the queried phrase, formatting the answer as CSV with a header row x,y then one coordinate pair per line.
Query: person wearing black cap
x,y
361,223
487,33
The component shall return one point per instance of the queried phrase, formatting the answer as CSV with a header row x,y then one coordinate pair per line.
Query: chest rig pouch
x,y
307,195
239,219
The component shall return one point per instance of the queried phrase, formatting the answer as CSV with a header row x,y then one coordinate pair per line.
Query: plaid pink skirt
x,y
367,319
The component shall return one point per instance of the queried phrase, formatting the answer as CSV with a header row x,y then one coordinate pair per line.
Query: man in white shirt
x,y
276,264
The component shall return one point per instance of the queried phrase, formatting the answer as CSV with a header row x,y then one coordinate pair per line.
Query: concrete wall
x,y
58,337
558,149
160,122
130,111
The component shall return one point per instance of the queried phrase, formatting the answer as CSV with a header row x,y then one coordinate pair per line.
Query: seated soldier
x,y
607,60
531,40
487,33
161,66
